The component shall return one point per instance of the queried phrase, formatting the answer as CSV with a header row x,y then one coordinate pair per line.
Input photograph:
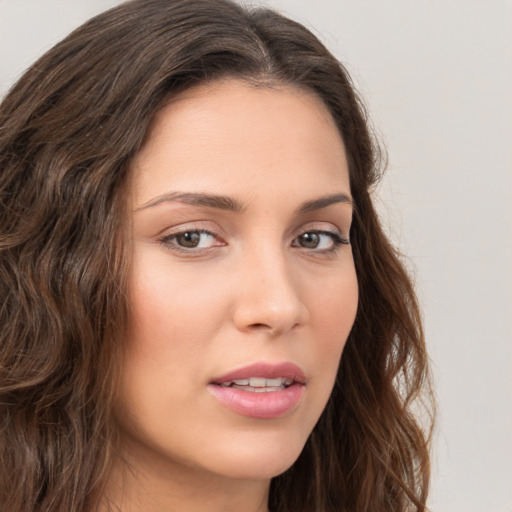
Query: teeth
x,y
260,384
241,382
274,382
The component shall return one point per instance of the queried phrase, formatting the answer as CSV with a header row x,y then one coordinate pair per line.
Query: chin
x,y
258,460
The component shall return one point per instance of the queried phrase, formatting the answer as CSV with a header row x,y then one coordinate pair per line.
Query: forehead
x,y
221,135
222,98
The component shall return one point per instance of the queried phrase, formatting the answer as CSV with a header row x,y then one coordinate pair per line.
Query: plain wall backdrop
x,y
437,77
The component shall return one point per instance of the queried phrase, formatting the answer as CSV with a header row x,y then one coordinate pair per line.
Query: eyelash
x,y
168,241
335,237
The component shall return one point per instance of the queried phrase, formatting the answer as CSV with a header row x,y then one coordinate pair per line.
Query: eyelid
x,y
167,235
335,239
330,229
338,238
201,225
324,227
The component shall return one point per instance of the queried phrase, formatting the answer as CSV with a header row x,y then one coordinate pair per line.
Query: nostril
x,y
261,326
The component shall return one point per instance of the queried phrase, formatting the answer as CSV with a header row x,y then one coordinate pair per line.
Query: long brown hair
x,y
68,131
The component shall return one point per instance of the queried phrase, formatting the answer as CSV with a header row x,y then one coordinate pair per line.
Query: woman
x,y
188,246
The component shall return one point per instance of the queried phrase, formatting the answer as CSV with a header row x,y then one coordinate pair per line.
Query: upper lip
x,y
286,370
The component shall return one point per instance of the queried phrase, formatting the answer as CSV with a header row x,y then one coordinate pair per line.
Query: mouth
x,y
261,390
260,375
258,384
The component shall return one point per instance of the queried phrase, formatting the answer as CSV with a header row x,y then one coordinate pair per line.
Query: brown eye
x,y
188,239
309,240
320,241
191,240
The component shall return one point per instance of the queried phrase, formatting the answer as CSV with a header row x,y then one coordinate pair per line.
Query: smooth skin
x,y
264,274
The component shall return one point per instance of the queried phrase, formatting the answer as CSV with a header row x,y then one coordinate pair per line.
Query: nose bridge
x,y
269,296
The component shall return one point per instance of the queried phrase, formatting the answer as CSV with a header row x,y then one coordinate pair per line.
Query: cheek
x,y
171,305
335,302
334,309
172,322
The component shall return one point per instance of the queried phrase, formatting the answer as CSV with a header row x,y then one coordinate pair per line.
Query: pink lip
x,y
266,405
265,370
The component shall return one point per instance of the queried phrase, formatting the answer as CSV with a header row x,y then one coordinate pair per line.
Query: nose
x,y
268,297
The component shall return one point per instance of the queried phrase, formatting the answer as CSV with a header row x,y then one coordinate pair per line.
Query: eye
x,y
191,239
320,240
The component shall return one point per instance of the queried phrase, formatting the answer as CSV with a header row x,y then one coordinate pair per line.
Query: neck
x,y
150,487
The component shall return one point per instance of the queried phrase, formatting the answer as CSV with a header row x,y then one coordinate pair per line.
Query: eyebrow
x,y
196,199
324,202
230,204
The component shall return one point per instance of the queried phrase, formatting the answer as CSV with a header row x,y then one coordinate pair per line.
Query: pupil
x,y
189,239
310,240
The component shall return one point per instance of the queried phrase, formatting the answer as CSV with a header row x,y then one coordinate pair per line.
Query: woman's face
x,y
241,272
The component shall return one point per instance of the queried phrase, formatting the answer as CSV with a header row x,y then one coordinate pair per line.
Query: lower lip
x,y
266,405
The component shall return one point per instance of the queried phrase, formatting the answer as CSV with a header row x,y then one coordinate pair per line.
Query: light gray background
x,y
437,76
